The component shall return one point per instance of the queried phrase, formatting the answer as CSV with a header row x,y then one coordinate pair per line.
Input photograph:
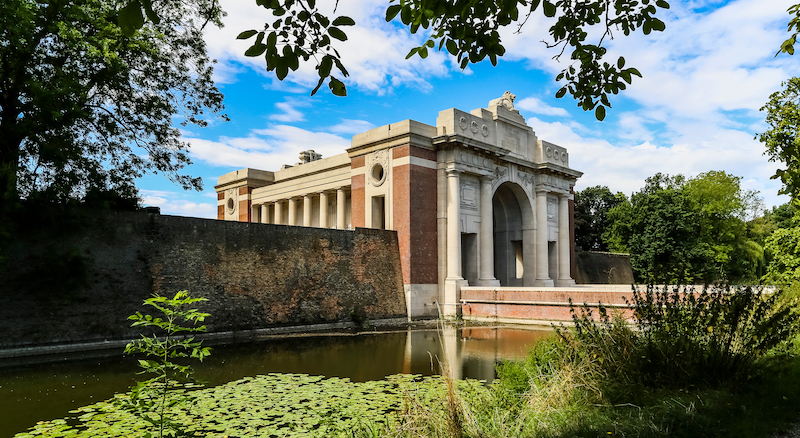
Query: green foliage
x,y
591,216
467,30
300,32
285,405
783,248
781,139
153,398
685,231
89,107
682,338
794,26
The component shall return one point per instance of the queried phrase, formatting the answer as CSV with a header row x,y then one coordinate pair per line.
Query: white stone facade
x,y
476,200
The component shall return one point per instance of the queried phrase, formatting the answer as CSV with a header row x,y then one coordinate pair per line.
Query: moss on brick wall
x,y
254,275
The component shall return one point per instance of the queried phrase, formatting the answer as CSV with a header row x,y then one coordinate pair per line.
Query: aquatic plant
x,y
151,399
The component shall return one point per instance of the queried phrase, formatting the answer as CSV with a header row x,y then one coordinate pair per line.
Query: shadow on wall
x,y
596,267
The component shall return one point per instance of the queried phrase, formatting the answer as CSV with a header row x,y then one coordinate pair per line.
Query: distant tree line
x,y
700,230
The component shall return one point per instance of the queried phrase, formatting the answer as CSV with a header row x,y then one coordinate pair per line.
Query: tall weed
x,y
683,338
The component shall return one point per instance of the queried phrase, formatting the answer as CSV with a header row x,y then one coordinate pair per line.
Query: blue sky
x,y
696,108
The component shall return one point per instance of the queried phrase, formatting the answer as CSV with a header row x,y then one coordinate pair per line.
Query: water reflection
x,y
46,391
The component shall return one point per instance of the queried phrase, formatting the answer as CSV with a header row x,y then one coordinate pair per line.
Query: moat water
x,y
46,391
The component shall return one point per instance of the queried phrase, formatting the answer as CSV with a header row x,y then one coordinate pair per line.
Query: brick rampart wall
x,y
78,278
541,304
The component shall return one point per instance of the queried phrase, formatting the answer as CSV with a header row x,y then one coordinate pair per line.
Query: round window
x,y
231,205
378,174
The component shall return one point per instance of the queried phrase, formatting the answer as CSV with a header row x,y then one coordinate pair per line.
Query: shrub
x,y
682,338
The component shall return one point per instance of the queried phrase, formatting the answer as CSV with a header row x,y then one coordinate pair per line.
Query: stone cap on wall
x,y
395,134
245,178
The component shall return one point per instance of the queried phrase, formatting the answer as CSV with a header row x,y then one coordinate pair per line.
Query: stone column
x,y
486,237
341,203
323,209
292,212
307,210
254,210
542,265
454,281
564,278
279,213
264,213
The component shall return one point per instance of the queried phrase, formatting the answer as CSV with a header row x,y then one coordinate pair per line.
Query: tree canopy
x,y
680,230
468,30
591,216
84,107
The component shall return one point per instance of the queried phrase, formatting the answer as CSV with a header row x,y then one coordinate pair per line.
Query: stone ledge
x,y
213,338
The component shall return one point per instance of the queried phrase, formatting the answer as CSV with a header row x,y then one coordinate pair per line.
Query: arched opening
x,y
513,235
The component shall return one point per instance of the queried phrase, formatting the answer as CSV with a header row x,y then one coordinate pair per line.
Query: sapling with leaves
x,y
151,399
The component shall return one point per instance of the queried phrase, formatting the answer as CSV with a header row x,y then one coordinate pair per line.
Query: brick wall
x,y
254,275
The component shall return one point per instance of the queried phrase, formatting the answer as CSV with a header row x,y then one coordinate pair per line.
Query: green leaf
x,y
405,15
246,34
325,66
148,10
549,9
131,18
561,92
343,21
255,50
621,62
662,4
392,12
452,47
336,33
658,25
337,87
600,112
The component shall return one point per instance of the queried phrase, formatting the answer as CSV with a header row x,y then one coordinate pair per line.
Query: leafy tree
x,y
658,227
468,30
591,210
680,230
85,108
782,139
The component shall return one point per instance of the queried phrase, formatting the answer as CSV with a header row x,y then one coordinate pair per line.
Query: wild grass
x,y
720,362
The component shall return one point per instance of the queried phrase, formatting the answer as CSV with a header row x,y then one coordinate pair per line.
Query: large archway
x,y
513,236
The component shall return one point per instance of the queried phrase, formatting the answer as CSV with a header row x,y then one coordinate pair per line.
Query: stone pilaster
x,y
454,281
564,250
542,262
323,209
341,204
307,210
292,212
486,243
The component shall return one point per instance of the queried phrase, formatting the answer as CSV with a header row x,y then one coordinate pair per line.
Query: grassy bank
x,y
721,363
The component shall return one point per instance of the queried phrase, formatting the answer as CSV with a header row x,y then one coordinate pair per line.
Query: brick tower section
x,y
244,204
357,215
414,213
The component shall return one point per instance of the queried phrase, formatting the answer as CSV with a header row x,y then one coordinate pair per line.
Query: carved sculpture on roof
x,y
507,101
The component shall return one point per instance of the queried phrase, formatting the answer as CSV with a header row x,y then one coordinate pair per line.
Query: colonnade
x,y
273,212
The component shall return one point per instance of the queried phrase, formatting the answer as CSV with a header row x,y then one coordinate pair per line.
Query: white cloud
x,y
535,105
374,53
624,168
172,203
348,126
266,149
290,114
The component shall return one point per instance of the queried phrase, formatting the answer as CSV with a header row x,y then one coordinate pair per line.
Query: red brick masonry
x,y
541,304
